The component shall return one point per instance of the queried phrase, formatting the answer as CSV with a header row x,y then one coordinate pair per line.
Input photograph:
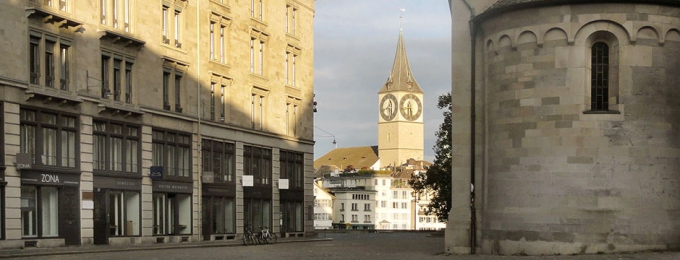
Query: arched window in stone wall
x,y
599,77
603,63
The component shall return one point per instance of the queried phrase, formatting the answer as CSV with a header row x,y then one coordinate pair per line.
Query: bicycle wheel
x,y
273,237
245,239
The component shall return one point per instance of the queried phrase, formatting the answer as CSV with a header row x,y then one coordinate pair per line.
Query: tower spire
x,y
400,77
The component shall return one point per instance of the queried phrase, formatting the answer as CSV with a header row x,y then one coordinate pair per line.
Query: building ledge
x,y
46,97
122,38
50,16
119,110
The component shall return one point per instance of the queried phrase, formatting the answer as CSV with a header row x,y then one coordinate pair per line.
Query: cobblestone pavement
x,y
374,246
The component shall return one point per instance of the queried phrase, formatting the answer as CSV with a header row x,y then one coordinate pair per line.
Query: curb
x,y
81,250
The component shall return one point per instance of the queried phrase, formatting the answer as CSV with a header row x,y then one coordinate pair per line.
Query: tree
x,y
437,178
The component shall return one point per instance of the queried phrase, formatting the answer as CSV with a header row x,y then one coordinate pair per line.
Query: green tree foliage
x,y
437,179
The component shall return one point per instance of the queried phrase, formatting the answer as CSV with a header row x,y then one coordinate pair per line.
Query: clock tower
x,y
400,124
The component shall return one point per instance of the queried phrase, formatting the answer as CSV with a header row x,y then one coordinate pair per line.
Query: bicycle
x,y
249,238
266,236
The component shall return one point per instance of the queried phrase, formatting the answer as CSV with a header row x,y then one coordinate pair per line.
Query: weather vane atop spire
x,y
401,16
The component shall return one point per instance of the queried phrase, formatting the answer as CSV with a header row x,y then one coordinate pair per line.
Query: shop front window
x,y
124,213
220,214
39,211
171,214
257,213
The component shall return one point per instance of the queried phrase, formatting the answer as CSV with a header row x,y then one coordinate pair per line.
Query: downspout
x,y
473,214
199,204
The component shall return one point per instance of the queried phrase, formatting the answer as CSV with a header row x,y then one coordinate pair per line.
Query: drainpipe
x,y
199,203
473,214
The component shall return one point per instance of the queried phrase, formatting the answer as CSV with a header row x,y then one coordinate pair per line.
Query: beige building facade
x,y
162,121
565,123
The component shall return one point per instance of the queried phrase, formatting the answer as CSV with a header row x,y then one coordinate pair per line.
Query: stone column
x,y
457,239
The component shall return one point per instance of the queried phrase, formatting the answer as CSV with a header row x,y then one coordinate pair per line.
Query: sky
x,y
354,46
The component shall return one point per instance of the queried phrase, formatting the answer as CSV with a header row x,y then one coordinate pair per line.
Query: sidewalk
x,y
67,250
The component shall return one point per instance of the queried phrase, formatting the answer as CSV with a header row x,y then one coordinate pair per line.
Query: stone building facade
x,y
130,121
566,121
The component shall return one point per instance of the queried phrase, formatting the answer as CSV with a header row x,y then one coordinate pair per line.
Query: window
x,y
395,194
355,207
63,4
166,90
291,63
367,207
212,40
257,162
292,109
257,51
212,101
257,213
403,194
172,150
342,206
55,60
178,92
342,217
50,138
599,77
223,103
119,68
395,205
115,147
291,13
221,213
256,9
355,218
256,56
119,11
171,214
172,89
124,213
367,218
219,158
383,204
404,205
292,168
223,55
257,111
39,211
165,25
178,13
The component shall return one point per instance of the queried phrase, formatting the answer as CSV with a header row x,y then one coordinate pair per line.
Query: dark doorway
x,y
101,225
69,215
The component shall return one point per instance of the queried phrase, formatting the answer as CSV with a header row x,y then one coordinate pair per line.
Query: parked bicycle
x,y
250,238
266,236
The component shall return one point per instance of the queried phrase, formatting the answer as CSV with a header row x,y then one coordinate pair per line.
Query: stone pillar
x,y
457,239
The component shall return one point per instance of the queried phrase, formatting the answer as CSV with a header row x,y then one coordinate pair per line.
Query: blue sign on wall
x,y
156,173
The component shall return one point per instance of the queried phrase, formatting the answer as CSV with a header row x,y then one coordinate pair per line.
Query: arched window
x,y
599,78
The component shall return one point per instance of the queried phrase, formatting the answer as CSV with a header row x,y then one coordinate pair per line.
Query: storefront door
x,y
101,224
69,215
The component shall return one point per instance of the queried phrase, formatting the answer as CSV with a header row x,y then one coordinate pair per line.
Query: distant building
x,y
323,208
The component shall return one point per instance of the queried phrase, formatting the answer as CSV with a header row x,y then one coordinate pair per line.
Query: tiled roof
x,y
358,157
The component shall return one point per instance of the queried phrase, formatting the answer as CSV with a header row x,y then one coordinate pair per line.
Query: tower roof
x,y
401,78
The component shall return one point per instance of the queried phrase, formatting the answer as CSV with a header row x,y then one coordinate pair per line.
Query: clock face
x,y
410,107
388,107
